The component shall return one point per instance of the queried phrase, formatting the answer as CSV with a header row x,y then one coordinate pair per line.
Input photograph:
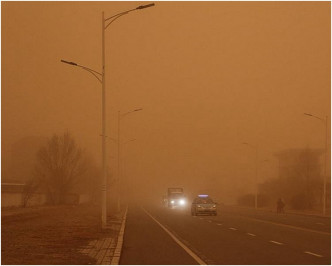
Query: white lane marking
x,y
275,242
231,228
117,251
201,218
286,225
313,254
188,250
250,234
320,223
209,221
219,224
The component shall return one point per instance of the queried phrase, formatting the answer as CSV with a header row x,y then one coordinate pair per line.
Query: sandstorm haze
x,y
208,75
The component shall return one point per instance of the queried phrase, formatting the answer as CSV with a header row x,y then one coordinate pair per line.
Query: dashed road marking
x,y
286,225
250,234
231,228
209,221
275,242
219,224
320,223
313,254
188,250
201,218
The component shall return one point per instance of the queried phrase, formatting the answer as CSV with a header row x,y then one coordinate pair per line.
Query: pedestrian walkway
x,y
107,251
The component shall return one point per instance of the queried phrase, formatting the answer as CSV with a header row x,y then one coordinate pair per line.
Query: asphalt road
x,y
159,236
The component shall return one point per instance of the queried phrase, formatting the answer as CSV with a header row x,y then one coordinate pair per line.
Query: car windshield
x,y
204,201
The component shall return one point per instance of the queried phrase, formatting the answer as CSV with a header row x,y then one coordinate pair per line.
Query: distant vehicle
x,y
203,204
175,198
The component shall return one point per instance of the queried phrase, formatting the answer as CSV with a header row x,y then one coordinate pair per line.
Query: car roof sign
x,y
203,196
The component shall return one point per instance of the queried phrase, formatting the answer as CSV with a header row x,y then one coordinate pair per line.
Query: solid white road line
x,y
231,228
250,234
188,250
313,254
275,242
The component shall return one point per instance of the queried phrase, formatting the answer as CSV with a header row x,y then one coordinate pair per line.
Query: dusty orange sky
x,y
209,76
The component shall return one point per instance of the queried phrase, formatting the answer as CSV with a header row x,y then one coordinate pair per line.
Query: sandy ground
x,y
53,235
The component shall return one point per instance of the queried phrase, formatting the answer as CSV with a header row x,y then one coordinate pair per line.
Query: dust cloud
x,y
208,76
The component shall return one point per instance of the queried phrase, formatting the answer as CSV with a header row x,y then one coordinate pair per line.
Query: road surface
x,y
158,235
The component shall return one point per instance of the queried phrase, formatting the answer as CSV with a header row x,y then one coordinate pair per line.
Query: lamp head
x,y
145,6
67,62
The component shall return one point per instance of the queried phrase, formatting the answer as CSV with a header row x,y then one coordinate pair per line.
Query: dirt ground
x,y
50,235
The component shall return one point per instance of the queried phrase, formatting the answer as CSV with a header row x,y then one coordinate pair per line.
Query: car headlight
x,y
182,202
214,206
199,206
172,201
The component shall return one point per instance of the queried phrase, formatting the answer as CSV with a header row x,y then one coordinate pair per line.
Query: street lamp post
x,y
119,149
256,170
101,78
121,177
325,159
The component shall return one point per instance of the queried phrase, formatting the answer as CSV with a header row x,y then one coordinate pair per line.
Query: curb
x,y
107,250
117,252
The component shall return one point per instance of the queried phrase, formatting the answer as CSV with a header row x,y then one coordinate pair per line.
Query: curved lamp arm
x,y
91,71
314,116
130,140
115,17
250,145
127,113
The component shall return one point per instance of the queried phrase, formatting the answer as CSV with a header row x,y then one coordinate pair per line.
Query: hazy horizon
x,y
208,75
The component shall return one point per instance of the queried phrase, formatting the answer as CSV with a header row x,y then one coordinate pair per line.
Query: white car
x,y
203,204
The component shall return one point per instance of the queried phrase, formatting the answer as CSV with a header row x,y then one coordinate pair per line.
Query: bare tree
x,y
59,166
90,181
29,189
299,182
